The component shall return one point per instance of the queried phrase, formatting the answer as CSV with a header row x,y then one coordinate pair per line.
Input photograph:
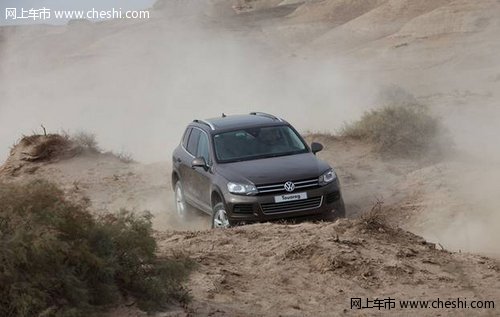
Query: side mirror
x,y
199,162
316,147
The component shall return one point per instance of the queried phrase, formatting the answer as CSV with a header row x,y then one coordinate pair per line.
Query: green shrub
x,y
400,130
56,259
401,126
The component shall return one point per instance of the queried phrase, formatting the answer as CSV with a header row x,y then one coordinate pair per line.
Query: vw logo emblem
x,y
289,186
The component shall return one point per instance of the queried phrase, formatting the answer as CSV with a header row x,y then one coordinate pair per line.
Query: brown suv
x,y
252,168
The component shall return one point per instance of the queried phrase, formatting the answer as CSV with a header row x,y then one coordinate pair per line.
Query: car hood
x,y
274,169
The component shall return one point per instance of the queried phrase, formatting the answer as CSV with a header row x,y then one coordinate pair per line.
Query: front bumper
x,y
322,202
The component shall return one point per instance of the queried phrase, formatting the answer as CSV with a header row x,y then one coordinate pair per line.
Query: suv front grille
x,y
291,206
280,187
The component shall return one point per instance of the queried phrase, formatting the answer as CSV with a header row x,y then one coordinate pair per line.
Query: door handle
x,y
176,159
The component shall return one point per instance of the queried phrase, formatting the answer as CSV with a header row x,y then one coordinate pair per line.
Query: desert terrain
x,y
319,64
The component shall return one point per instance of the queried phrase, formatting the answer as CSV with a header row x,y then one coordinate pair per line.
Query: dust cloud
x,y
137,84
463,212
467,217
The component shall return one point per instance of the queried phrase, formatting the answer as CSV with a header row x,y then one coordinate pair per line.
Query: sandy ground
x,y
314,270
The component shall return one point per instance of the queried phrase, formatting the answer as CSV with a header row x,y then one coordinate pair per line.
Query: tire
x,y
181,205
340,209
219,217
339,212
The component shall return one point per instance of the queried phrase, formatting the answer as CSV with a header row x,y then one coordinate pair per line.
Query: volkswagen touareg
x,y
252,168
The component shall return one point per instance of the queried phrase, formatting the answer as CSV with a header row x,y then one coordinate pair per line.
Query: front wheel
x,y
180,201
219,217
340,211
337,213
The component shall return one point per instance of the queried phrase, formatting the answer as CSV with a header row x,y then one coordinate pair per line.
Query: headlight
x,y
328,177
241,189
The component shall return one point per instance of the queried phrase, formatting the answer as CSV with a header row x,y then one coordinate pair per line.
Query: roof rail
x,y
205,122
266,115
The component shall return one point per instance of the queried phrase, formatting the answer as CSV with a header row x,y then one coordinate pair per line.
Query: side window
x,y
203,148
194,137
185,137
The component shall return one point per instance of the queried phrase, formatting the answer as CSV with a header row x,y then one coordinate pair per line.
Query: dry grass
x,y
374,219
86,141
43,147
124,157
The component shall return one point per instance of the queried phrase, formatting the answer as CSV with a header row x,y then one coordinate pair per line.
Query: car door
x,y
197,180
182,158
202,176
186,170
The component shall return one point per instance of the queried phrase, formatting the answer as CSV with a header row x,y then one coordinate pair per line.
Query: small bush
x,y
401,126
85,140
399,130
56,259
124,157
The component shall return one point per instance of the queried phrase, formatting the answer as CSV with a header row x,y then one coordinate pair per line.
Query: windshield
x,y
255,143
